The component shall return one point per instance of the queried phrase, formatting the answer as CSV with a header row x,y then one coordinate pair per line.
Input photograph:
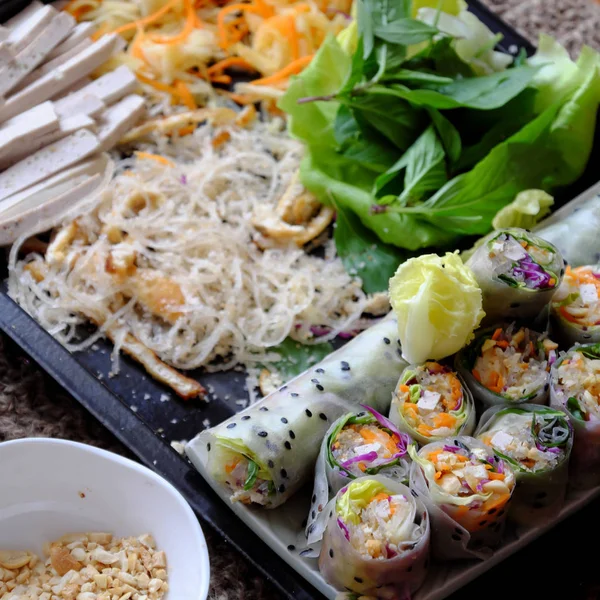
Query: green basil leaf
x,y
253,470
296,358
364,12
449,135
592,351
416,77
405,32
575,409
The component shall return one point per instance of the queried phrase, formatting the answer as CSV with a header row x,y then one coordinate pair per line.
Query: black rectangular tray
x,y
147,417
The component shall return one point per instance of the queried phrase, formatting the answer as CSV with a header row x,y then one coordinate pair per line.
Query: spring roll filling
x,y
577,380
530,441
248,480
577,298
365,445
431,400
375,521
512,364
520,263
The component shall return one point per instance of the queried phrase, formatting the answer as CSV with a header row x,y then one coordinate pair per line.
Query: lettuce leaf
x,y
527,209
357,497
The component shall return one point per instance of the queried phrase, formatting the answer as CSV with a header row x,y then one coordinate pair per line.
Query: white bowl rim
x,y
196,529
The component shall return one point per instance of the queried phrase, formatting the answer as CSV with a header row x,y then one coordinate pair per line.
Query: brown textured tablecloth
x,y
31,404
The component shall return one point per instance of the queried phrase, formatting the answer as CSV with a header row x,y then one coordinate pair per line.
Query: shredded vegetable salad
x,y
430,398
514,364
577,299
182,47
577,379
520,263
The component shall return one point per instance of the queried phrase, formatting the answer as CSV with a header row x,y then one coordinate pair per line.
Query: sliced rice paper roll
x,y
265,453
377,539
356,445
536,442
518,274
431,402
575,390
575,308
508,365
467,491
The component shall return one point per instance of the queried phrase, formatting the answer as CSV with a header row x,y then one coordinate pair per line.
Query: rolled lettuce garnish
x,y
517,272
575,308
377,539
466,489
282,433
575,390
536,441
356,445
508,365
430,402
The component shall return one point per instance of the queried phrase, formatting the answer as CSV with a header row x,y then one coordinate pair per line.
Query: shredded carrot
x,y
293,68
189,129
232,61
231,466
437,475
190,22
410,406
495,502
496,476
502,344
362,466
461,457
497,334
432,456
404,388
380,496
368,435
222,26
476,375
149,19
185,94
566,315
159,159
135,47
226,79
424,429
444,420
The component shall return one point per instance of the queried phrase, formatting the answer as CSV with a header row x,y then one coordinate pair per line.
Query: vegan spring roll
x,y
575,390
356,445
466,489
518,274
575,308
265,453
430,403
508,365
377,539
536,441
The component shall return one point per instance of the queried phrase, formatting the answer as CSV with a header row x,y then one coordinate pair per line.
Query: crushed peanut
x,y
86,566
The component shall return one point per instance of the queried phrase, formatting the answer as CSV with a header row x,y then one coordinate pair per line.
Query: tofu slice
x,y
38,121
116,120
25,14
81,32
109,88
50,65
61,78
34,53
3,33
78,85
85,104
30,144
7,56
30,26
47,161
45,205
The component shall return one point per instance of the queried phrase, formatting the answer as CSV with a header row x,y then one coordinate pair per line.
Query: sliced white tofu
x,y
50,65
81,32
588,293
501,440
31,144
38,121
116,120
47,162
32,24
428,401
34,53
78,85
83,104
25,14
7,56
3,33
61,78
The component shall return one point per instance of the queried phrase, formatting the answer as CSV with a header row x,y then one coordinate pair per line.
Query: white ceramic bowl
x,y
53,487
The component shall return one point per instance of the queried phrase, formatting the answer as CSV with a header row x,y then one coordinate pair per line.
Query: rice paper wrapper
x,y
388,579
584,467
463,363
330,479
539,496
283,432
568,333
457,532
467,409
573,229
502,301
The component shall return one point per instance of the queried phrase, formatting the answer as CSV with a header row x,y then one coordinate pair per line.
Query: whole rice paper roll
x,y
431,402
265,453
467,490
575,390
377,539
508,365
575,308
536,441
356,445
518,274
